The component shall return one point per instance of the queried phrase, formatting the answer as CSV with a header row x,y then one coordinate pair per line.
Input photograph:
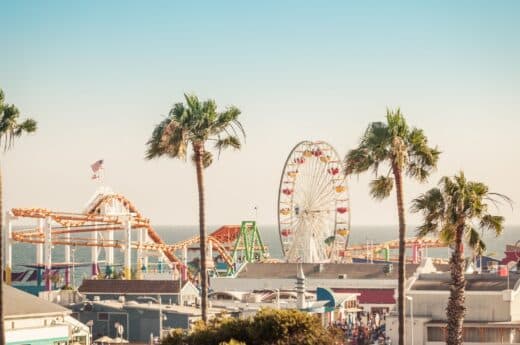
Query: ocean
x,y
24,254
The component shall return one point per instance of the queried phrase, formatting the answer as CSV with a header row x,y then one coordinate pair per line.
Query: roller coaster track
x,y
93,220
394,244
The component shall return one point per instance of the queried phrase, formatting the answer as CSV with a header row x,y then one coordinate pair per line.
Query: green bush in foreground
x,y
268,326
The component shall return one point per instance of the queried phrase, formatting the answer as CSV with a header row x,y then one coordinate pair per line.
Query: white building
x,y
375,283
492,309
325,303
32,320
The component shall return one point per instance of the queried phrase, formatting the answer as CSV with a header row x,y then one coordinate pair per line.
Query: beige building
x,y
32,320
492,309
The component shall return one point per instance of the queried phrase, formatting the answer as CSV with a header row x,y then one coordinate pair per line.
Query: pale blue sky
x,y
98,75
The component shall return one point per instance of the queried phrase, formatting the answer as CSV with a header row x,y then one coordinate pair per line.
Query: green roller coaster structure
x,y
248,246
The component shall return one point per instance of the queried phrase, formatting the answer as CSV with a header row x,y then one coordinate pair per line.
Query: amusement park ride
x,y
108,213
313,222
314,211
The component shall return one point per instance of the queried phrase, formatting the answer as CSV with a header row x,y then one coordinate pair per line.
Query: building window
x,y
102,316
478,335
436,334
515,335
471,334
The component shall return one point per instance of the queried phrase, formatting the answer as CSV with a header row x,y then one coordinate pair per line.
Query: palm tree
x,y
457,211
196,123
403,150
10,129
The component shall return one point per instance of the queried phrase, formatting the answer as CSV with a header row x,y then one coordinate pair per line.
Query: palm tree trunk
x,y
455,311
402,249
2,330
199,154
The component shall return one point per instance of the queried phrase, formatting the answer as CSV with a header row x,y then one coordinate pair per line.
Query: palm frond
x,y
377,141
427,228
397,126
207,159
418,172
230,141
431,204
10,128
168,138
474,241
492,223
422,159
447,234
464,206
153,144
357,161
27,126
381,187
194,122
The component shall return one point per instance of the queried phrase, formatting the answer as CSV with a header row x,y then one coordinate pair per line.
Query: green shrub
x,y
267,327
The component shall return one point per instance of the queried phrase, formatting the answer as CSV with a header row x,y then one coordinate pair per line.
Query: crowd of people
x,y
365,329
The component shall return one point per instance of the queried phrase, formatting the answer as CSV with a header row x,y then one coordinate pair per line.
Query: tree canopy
x,y
459,204
268,326
196,122
392,145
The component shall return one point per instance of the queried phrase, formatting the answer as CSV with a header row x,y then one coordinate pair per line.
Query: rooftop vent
x,y
388,268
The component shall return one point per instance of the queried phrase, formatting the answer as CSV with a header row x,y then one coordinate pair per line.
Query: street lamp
x,y
410,298
160,320
73,266
90,323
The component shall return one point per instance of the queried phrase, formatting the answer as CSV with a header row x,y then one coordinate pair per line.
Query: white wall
x,y
26,335
249,284
480,306
419,329
36,322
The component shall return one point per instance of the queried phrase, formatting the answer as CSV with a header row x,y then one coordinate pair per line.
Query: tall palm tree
x,y
403,151
197,123
457,211
10,129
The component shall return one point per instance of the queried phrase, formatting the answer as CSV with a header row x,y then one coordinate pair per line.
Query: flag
x,y
97,167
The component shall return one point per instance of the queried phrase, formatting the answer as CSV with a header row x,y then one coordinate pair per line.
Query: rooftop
x,y
370,296
165,308
19,304
321,271
474,282
122,287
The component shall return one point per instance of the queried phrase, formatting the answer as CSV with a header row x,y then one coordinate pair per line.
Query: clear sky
x,y
98,75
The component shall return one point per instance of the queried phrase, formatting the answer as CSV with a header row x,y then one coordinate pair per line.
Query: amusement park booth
x,y
158,291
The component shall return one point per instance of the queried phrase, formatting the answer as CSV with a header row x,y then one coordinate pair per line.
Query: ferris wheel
x,y
313,204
